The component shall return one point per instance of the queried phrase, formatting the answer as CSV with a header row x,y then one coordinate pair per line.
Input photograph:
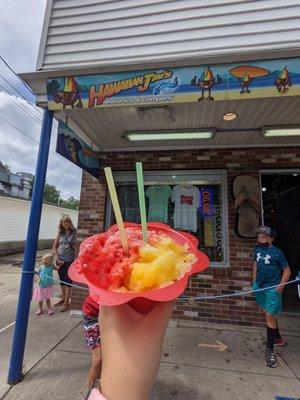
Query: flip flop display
x,y
246,194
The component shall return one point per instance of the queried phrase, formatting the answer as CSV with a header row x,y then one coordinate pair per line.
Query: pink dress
x,y
44,289
40,293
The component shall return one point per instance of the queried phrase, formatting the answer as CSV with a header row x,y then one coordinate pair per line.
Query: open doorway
x,y
281,210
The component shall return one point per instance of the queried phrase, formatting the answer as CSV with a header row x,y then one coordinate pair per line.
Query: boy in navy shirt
x,y
270,268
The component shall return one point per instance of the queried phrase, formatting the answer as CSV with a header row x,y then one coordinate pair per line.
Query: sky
x,y
20,122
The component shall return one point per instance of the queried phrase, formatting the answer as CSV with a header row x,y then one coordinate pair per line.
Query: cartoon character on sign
x,y
206,82
245,82
69,95
246,75
80,154
283,80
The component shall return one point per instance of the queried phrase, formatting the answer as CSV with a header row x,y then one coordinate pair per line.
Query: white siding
x,y
14,215
80,33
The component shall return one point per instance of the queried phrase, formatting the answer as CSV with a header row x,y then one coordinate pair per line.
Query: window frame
x,y
173,177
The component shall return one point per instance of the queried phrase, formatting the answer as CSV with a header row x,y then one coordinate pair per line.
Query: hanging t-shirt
x,y
187,201
158,202
129,203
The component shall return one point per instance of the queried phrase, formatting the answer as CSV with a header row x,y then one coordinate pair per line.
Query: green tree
x,y
71,203
51,194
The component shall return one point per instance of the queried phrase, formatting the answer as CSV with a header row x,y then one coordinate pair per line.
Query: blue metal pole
x,y
25,292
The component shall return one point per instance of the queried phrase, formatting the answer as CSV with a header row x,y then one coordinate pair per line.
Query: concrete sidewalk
x,y
188,371
56,360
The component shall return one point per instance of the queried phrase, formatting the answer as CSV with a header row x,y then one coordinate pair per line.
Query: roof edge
x,y
42,46
180,62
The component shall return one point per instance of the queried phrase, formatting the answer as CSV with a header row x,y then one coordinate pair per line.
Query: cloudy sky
x,y
20,122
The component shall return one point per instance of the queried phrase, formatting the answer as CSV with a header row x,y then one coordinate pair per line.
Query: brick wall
x,y
238,276
90,220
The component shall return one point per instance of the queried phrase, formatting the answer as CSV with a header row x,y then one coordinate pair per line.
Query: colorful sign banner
x,y
206,203
254,79
74,149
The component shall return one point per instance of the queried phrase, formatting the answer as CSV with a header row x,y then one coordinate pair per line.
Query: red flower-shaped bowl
x,y
138,300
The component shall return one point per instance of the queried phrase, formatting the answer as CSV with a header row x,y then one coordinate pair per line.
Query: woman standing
x,y
64,250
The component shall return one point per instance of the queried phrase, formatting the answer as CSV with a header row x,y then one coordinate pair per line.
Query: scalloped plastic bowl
x,y
144,301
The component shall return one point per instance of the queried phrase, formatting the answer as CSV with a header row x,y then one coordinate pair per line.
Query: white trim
x,y
199,147
261,200
44,35
280,171
182,62
225,225
160,176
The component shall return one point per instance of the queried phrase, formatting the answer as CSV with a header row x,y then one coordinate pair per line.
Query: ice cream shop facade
x,y
206,95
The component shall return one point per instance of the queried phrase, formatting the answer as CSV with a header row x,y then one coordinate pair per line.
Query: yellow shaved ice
x,y
159,264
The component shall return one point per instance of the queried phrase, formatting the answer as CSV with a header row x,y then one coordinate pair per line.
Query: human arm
x,y
285,278
282,262
95,368
38,274
55,250
56,267
131,349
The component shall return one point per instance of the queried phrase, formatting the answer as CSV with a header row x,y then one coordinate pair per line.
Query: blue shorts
x,y
92,331
269,300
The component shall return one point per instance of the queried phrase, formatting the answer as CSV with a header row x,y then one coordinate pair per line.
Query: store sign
x,y
217,231
206,203
255,79
74,149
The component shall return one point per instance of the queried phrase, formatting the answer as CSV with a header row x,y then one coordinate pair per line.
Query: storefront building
x,y
222,81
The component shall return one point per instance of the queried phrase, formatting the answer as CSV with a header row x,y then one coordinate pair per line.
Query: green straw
x,y
140,182
116,207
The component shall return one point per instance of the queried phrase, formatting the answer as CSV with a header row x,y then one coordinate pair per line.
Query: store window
x,y
192,201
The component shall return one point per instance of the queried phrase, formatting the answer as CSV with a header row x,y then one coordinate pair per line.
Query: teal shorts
x,y
269,300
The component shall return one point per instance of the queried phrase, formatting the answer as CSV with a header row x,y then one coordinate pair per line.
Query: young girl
x,y
44,289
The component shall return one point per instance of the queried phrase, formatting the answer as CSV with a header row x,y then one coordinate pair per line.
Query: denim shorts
x,y
269,300
92,331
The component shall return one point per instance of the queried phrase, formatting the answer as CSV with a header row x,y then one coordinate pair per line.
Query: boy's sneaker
x,y
270,358
279,342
